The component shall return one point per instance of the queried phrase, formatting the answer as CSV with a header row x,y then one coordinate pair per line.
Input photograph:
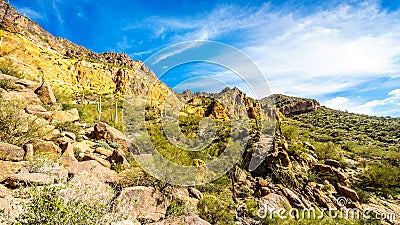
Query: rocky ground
x,y
96,161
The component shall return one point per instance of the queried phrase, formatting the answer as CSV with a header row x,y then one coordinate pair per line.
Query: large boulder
x,y
85,146
348,192
95,169
8,168
272,202
330,173
45,93
117,158
11,152
12,208
102,161
104,131
68,157
46,147
332,162
26,95
39,111
187,219
194,193
84,183
27,178
144,203
71,115
293,198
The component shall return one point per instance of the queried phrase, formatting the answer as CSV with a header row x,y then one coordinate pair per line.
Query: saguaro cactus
x,y
99,109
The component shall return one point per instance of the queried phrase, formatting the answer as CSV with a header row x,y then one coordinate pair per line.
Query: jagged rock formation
x,y
292,105
44,57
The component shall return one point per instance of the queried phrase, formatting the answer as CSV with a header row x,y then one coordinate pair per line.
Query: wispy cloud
x,y
313,54
31,13
381,107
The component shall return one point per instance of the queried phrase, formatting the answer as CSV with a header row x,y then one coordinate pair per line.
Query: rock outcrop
x,y
106,132
45,93
11,152
145,202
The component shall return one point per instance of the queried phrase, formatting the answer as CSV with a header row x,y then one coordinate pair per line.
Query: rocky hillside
x,y
39,56
65,159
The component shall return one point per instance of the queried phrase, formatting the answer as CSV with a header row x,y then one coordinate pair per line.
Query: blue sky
x,y
346,54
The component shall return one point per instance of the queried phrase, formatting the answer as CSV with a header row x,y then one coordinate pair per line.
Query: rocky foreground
x,y
93,164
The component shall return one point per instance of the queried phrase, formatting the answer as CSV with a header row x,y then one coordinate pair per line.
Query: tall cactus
x,y
116,112
99,109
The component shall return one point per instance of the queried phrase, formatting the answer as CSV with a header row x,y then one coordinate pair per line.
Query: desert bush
x,y
7,67
115,145
17,127
41,163
178,208
327,150
290,132
382,176
48,205
8,85
215,210
103,144
69,127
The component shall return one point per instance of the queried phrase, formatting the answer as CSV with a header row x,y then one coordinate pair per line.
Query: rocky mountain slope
x,y
65,159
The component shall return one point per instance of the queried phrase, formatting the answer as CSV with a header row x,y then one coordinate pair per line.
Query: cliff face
x,y
292,105
43,57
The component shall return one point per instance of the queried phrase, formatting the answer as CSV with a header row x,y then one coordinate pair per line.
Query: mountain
x,y
69,155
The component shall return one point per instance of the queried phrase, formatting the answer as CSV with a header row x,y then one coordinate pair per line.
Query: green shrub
x,y
178,208
251,208
69,127
244,192
382,176
327,150
215,210
115,145
103,144
7,67
48,205
16,127
41,163
8,85
290,132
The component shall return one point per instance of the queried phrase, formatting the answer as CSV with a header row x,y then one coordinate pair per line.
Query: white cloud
x,y
304,54
30,13
299,53
379,107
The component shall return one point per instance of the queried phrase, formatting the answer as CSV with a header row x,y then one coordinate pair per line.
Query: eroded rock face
x,y
348,192
45,93
10,152
145,202
301,107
